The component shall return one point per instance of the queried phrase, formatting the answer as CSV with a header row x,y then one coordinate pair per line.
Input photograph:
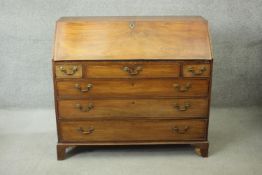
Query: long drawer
x,y
133,88
133,130
135,108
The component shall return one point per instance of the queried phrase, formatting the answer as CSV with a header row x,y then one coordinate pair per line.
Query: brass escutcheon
x,y
132,25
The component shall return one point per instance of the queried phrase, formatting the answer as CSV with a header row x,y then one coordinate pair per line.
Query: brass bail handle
x,y
133,70
86,89
199,72
180,130
86,131
86,108
70,71
182,88
182,107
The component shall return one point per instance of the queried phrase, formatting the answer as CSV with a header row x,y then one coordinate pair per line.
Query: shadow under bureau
x,y
132,81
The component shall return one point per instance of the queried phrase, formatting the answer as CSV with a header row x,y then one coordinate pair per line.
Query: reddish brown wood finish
x,y
196,70
68,71
133,130
133,108
132,69
61,151
138,95
139,88
201,149
135,38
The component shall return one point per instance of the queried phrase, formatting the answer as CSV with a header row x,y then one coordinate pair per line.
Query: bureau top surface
x,y
132,38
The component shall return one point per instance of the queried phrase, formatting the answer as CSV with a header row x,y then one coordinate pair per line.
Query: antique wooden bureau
x,y
131,81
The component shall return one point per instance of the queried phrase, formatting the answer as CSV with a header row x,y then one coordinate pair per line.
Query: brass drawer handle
x,y
86,89
182,88
194,72
84,109
89,130
71,71
180,130
182,107
133,70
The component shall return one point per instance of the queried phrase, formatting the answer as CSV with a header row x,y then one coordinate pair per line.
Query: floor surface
x,y
28,141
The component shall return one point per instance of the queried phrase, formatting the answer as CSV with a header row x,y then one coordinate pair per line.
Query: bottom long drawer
x,y
133,130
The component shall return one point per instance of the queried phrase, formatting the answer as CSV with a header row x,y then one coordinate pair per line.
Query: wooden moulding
x,y
200,147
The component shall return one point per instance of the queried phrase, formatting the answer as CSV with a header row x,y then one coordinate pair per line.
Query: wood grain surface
x,y
132,80
114,38
140,88
133,130
133,108
132,69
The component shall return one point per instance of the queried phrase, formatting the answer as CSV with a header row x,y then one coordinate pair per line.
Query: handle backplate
x,y
182,107
195,72
69,71
85,89
182,88
133,70
86,108
180,130
86,131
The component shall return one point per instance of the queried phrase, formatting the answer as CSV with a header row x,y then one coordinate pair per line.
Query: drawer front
x,y
196,70
133,130
132,88
132,69
84,109
68,71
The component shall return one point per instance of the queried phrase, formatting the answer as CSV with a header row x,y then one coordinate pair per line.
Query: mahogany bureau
x,y
131,81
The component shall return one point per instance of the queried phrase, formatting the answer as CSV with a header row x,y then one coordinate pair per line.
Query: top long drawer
x,y
133,88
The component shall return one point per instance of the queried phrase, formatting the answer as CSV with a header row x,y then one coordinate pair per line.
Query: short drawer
x,y
133,130
68,71
135,108
196,70
128,69
132,88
